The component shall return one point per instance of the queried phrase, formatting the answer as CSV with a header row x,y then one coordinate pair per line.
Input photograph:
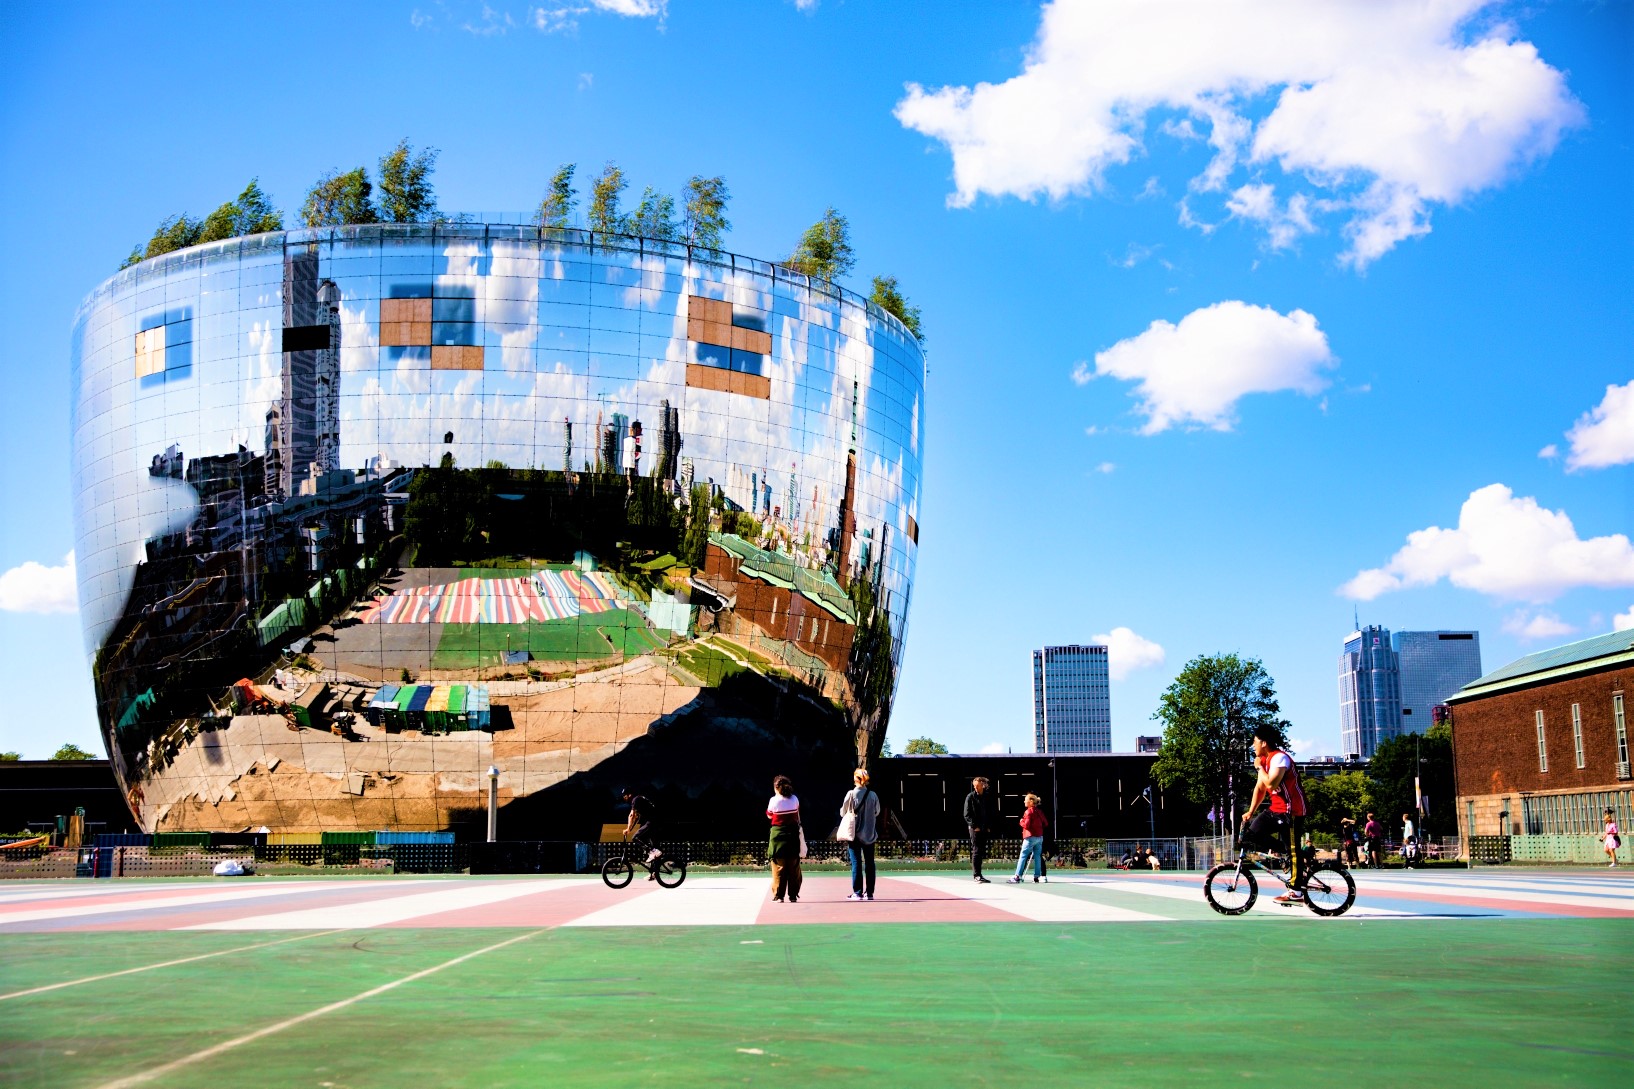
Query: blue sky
x,y
1238,322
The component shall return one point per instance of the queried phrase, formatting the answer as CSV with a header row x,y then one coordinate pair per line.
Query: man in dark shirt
x,y
979,818
639,828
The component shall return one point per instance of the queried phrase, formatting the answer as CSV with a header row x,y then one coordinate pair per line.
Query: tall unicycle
x,y
1330,890
1230,888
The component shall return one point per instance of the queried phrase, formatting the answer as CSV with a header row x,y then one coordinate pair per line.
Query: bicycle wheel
x,y
670,872
1330,890
617,872
1229,891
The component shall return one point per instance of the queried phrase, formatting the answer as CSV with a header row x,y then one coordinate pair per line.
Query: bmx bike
x,y
620,869
1231,889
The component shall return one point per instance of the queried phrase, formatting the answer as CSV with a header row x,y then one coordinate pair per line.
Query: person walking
x,y
979,817
787,843
859,817
1032,822
1347,840
1612,838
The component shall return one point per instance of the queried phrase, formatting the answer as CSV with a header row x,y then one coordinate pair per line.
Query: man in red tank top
x,y
1283,823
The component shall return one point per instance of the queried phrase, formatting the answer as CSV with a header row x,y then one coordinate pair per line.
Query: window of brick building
x,y
1577,732
1622,730
1543,752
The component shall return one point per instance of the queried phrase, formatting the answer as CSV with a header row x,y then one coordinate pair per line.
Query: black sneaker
x,y
983,880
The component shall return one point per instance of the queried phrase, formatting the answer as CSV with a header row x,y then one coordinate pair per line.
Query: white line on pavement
x,y
1034,904
707,901
391,909
120,907
161,964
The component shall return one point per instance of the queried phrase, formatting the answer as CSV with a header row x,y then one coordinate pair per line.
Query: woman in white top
x,y
783,848
861,806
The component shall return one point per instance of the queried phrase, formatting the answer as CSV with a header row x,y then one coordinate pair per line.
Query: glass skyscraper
x,y
1072,706
1369,691
1434,665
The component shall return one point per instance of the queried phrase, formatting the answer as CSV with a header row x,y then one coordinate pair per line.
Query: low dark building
x,y
1085,794
34,793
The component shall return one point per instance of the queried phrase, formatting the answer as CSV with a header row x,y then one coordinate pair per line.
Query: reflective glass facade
x,y
1434,665
1369,691
362,511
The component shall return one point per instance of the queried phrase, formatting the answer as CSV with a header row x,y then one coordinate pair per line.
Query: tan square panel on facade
x,y
715,310
456,357
747,385
751,340
405,310
150,352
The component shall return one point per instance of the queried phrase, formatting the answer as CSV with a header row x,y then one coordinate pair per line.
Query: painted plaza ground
x,y
1497,977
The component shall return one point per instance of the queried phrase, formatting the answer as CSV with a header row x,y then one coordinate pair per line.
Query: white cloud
x,y
1301,746
639,9
586,80
1283,224
550,18
991,747
1604,435
1505,546
35,588
1081,373
807,7
1386,106
490,22
1128,653
1623,621
1550,452
1105,467
1532,627
1194,373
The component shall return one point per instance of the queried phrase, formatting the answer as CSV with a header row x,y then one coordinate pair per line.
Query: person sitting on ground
x,y
1153,861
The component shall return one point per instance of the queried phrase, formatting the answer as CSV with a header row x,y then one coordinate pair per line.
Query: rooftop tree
x,y
405,184
251,213
557,207
175,233
340,199
703,211
824,252
655,216
888,297
604,217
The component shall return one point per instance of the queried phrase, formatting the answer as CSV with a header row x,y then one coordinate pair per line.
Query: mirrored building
x,y
363,511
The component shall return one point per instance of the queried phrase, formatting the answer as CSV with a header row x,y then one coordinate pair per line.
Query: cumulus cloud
x,y
1604,435
1128,653
550,18
1550,452
1081,374
1623,621
1531,627
35,588
991,747
1193,373
1506,546
1383,107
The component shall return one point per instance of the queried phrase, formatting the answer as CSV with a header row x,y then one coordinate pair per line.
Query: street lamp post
x,y
493,803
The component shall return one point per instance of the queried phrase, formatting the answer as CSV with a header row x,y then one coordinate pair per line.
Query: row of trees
x,y
401,192
69,751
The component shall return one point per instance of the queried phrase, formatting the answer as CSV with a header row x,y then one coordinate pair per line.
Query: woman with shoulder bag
x,y
859,826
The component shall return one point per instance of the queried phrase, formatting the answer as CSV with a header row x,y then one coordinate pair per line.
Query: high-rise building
x,y
1072,706
1434,665
1369,691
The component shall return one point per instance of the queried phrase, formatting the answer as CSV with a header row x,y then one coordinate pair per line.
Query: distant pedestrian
x,y
859,817
1611,838
1373,833
1032,822
787,844
1347,840
979,817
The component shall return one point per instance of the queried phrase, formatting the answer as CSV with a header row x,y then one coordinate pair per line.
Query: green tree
x,y
604,217
405,184
695,545
446,511
556,210
175,233
340,199
824,252
251,213
1330,800
885,747
72,751
924,746
703,211
888,297
655,216
1390,776
1209,715
10,757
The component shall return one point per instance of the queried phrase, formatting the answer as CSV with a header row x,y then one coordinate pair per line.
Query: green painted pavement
x,y
1388,1004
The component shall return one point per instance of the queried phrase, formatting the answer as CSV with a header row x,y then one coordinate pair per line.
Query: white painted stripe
x,y
69,889
1166,890
161,964
211,1052
1399,886
240,892
1035,904
390,909
707,901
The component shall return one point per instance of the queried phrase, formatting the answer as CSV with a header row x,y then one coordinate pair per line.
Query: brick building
x,y
1541,745
787,602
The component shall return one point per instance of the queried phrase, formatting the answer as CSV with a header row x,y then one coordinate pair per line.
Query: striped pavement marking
x,y
389,910
701,901
1034,903
224,893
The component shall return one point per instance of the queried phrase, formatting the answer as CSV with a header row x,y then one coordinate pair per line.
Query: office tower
x,y
1434,665
1072,707
1369,691
308,436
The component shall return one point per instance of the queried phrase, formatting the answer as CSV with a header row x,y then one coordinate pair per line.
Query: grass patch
x,y
709,665
619,633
